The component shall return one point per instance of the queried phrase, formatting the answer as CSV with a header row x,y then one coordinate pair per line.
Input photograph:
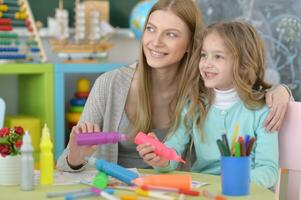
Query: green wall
x,y
119,10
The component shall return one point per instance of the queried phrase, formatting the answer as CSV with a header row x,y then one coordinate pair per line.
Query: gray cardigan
x,y
105,106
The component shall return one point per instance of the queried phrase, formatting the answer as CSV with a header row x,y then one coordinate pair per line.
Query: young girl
x,y
232,68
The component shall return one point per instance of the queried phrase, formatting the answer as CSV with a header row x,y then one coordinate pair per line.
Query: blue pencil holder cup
x,y
235,175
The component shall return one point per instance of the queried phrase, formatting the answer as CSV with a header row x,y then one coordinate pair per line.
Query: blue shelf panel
x,y
59,103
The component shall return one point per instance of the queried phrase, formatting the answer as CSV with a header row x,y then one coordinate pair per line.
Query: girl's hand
x,y
277,100
146,152
77,153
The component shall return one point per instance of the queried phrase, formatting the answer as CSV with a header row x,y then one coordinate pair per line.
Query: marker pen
x,y
156,195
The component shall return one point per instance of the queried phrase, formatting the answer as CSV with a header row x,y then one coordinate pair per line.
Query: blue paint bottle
x,y
114,170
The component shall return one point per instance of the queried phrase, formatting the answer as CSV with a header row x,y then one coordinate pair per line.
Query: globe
x,y
138,16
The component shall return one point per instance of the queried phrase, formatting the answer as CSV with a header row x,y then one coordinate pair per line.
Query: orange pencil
x,y
179,181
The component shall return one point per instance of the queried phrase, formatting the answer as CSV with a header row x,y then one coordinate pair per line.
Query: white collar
x,y
224,99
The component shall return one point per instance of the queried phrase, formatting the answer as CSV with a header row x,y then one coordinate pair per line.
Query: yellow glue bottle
x,y
46,158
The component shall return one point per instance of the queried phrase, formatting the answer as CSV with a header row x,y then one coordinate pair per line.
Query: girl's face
x,y
216,64
166,39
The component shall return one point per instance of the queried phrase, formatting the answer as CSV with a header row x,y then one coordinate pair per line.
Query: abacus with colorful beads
x,y
15,14
77,104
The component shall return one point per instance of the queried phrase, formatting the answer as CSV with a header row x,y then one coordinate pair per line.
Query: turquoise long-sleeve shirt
x,y
264,156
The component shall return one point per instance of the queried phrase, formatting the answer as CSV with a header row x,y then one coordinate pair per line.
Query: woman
x,y
147,96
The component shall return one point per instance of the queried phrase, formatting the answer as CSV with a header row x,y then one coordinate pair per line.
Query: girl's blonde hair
x,y
187,11
247,48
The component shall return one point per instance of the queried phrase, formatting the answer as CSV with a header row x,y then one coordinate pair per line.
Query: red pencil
x,y
242,146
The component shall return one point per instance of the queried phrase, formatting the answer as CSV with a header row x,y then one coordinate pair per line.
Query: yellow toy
x,y
83,85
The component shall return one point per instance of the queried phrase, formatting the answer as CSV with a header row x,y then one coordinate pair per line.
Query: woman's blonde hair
x,y
187,11
247,49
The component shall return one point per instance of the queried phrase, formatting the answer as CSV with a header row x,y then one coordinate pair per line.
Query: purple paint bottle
x,y
100,138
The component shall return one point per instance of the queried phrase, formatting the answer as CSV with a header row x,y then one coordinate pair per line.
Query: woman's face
x,y
165,40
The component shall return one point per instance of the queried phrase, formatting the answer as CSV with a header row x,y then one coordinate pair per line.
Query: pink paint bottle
x,y
160,148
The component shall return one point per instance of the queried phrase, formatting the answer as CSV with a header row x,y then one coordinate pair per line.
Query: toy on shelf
x,y
77,104
88,44
62,17
32,124
15,44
